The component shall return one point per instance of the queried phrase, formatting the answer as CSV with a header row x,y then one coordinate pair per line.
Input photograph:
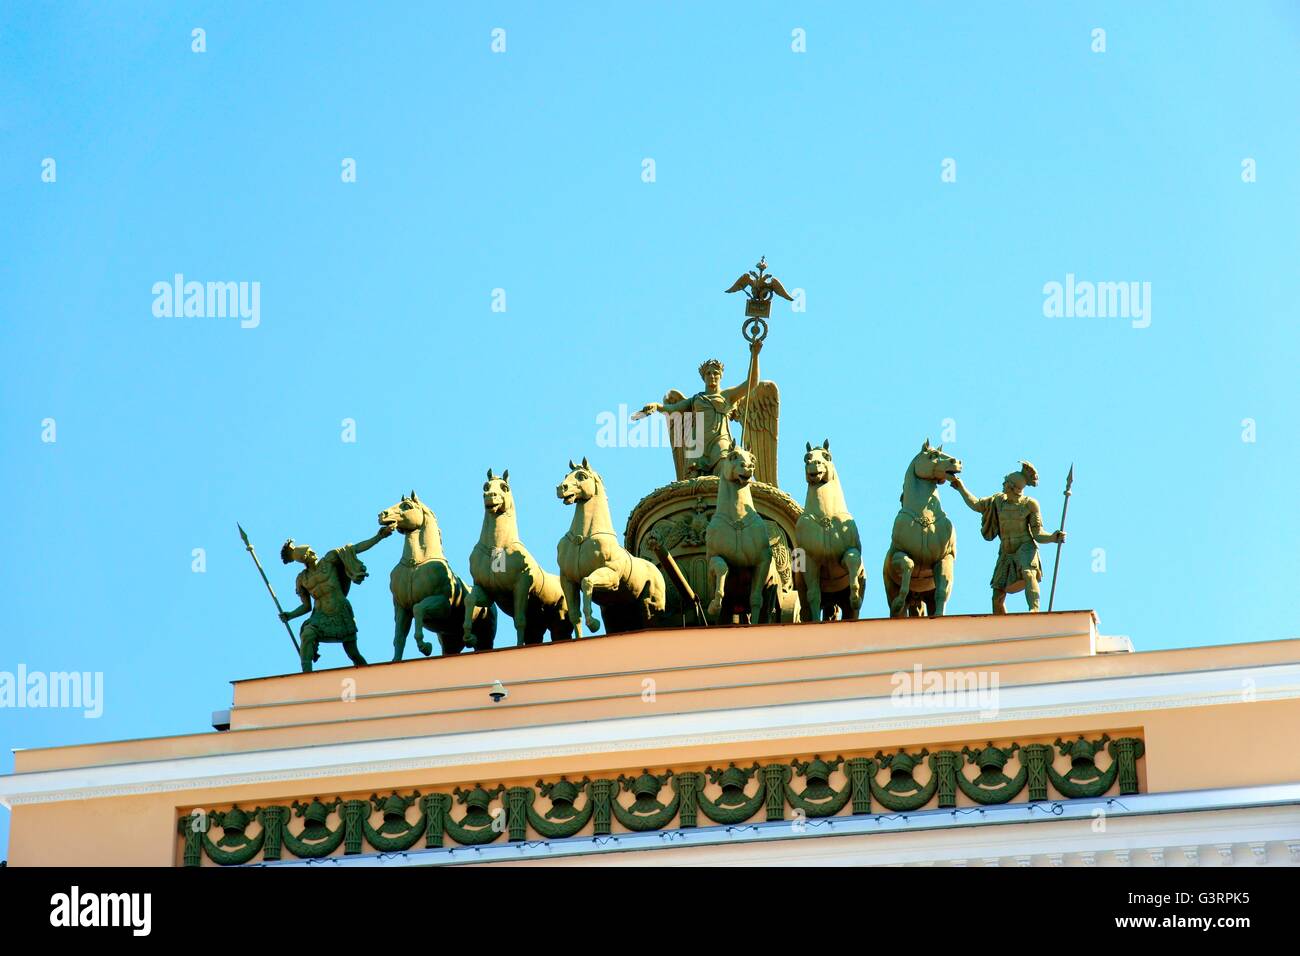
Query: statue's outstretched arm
x,y
975,504
664,406
383,532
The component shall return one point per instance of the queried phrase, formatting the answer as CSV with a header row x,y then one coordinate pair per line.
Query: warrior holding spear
x,y
326,581
1017,520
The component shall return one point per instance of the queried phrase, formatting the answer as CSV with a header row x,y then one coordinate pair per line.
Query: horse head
x,y
738,466
407,515
497,498
932,464
817,465
581,484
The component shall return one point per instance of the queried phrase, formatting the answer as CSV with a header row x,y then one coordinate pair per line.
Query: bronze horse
x,y
737,540
425,589
594,567
507,575
918,565
833,574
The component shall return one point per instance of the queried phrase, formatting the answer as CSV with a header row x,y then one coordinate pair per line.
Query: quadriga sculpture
x,y
832,551
918,565
425,588
594,567
737,539
507,575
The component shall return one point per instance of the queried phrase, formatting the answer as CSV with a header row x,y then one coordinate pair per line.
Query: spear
x,y
249,546
1069,480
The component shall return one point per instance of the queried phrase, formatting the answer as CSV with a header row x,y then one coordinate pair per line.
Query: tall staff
x,y
755,331
279,610
1069,480
758,287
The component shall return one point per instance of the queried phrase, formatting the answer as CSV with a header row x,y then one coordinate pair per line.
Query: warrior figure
x,y
1017,520
322,587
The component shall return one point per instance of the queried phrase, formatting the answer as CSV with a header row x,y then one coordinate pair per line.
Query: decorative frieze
x,y
673,800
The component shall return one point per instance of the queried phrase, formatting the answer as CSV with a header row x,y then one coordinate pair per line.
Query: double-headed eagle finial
x,y
758,286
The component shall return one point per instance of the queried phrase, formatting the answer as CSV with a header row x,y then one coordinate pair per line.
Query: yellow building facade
x,y
1017,740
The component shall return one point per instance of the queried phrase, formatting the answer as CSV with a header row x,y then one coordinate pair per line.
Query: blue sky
x,y
522,171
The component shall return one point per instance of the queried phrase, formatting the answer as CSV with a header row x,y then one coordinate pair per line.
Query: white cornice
x,y
626,736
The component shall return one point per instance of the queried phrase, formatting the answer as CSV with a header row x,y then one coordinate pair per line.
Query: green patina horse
x,y
426,591
737,540
507,575
832,551
918,565
594,567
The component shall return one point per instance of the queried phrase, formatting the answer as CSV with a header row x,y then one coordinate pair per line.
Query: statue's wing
x,y
764,403
774,284
675,438
741,283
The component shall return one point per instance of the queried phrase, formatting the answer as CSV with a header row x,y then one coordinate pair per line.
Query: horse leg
x,y
812,577
718,569
891,588
852,561
573,605
523,585
942,584
403,617
535,632
602,579
485,628
905,566
475,599
758,587
645,605
772,604
435,609
557,621
536,622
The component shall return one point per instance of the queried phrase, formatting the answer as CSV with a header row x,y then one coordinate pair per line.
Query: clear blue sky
x,y
522,171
